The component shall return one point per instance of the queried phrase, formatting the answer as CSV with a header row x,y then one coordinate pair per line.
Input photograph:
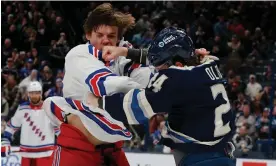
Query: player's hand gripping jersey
x,y
37,132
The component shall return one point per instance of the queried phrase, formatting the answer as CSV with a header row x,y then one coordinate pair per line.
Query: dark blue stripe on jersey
x,y
106,127
100,56
90,49
127,66
137,111
27,103
179,137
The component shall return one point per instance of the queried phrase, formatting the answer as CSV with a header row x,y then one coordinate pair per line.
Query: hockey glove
x,y
5,147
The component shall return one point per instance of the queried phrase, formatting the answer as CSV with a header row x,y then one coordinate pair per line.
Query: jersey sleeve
x,y
139,73
100,80
14,123
54,113
140,105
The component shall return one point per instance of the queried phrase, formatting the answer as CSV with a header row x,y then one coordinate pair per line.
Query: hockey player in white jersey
x,y
96,137
37,138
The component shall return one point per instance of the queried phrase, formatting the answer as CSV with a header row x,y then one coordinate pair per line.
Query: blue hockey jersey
x,y
199,113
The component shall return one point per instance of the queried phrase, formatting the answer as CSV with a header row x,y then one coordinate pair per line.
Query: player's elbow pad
x,y
122,84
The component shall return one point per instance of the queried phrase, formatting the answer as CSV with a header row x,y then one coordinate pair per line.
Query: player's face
x,y
35,97
104,36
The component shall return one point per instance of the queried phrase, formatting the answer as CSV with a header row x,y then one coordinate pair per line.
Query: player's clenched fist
x,y
156,124
112,52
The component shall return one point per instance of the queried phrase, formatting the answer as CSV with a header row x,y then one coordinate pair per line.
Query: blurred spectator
x,y
235,45
58,27
26,81
262,124
241,101
268,73
60,74
273,123
240,83
11,94
47,79
137,39
247,42
217,47
253,87
236,27
9,68
143,23
200,37
263,96
13,35
26,70
4,106
254,56
242,140
146,39
257,107
232,87
20,61
55,91
220,28
42,35
247,119
6,50
35,57
60,48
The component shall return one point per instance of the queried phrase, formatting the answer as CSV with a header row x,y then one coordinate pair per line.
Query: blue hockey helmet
x,y
169,43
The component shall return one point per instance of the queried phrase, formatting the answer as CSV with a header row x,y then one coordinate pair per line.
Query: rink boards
x,y
144,159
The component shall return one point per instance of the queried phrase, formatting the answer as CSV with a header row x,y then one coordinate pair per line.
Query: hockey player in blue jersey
x,y
191,90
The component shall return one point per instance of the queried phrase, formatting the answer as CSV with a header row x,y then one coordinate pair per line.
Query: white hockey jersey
x,y
97,121
37,133
86,72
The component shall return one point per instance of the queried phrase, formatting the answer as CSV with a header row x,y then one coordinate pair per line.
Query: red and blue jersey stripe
x,y
95,81
103,122
128,69
57,111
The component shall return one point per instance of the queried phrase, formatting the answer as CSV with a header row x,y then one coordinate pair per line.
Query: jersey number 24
x,y
157,84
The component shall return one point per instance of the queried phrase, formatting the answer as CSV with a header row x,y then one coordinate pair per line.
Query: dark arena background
x,y
36,36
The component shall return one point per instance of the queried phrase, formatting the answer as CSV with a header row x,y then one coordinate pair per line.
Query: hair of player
x,y
105,14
